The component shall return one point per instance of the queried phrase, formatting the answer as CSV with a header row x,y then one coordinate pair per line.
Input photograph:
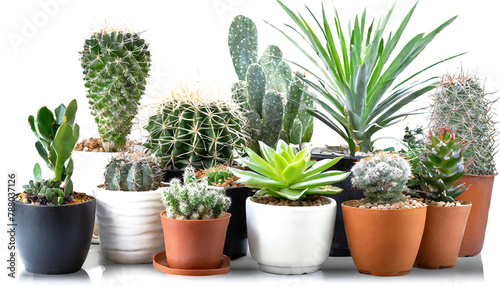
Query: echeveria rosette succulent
x,y
443,166
286,173
382,177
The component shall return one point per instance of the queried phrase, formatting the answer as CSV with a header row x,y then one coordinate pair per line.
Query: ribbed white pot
x,y
129,225
290,240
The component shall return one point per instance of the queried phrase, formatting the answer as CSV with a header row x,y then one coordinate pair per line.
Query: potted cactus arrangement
x,y
127,209
356,75
273,99
49,213
461,104
384,230
446,218
116,64
236,244
289,221
194,224
197,126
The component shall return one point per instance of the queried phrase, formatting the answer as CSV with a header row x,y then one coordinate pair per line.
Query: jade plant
x,y
57,134
135,172
262,85
194,128
382,177
116,64
285,173
462,104
443,166
195,199
356,71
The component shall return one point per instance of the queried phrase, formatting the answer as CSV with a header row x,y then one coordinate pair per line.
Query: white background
x,y
188,40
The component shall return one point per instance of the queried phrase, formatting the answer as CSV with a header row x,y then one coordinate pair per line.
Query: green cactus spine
x,y
261,83
135,172
195,128
461,104
443,166
116,64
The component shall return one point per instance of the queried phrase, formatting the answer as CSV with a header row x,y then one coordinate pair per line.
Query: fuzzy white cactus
x,y
194,199
382,177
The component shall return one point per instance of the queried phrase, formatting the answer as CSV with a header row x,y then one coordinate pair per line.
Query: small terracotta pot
x,y
194,244
444,229
384,242
479,194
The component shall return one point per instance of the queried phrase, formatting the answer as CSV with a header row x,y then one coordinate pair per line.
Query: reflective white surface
x,y
244,271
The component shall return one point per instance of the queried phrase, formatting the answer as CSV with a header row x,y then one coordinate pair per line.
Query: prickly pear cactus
x,y
191,129
135,172
461,103
261,83
116,64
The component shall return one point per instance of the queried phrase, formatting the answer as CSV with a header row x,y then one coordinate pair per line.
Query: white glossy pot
x,y
89,169
290,240
129,225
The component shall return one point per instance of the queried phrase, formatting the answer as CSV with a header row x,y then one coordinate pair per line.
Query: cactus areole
x,y
116,64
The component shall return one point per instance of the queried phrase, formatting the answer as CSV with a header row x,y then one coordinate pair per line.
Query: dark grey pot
x,y
54,239
236,236
339,244
171,174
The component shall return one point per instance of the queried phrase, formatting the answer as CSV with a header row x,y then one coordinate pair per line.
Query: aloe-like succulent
x,y
57,134
286,173
443,165
195,199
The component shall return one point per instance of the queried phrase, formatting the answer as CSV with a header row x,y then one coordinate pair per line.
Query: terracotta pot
x,y
444,229
194,244
384,242
479,194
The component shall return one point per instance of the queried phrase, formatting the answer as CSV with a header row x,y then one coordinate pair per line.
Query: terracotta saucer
x,y
160,263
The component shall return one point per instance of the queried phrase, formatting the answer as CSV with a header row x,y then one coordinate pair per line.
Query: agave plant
x,y
286,173
356,80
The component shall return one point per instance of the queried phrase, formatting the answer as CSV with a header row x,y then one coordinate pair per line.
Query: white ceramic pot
x,y
129,225
290,240
89,169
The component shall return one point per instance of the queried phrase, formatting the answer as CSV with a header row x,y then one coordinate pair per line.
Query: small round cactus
x,y
135,172
382,177
194,199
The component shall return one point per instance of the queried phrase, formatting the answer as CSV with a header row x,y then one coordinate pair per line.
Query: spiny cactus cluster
x,y
195,128
443,166
382,177
461,103
115,65
194,200
261,86
135,172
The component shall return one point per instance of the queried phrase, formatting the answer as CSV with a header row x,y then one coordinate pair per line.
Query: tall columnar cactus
x,y
57,134
461,104
115,65
194,199
382,177
135,172
194,128
264,86
443,166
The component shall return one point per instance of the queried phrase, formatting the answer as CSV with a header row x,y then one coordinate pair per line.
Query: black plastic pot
x,y
339,244
171,174
236,236
54,239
